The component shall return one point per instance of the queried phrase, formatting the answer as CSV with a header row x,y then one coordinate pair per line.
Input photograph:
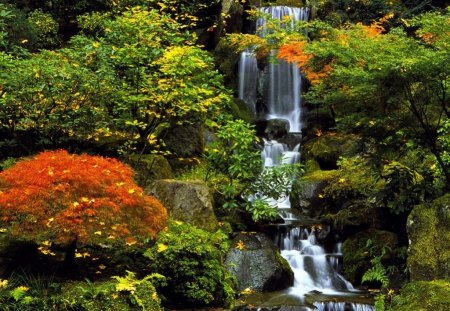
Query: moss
x,y
293,3
311,166
240,109
319,175
429,234
327,149
150,167
226,59
357,254
423,296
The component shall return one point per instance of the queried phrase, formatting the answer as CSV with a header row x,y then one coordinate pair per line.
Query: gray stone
x,y
257,264
187,201
185,140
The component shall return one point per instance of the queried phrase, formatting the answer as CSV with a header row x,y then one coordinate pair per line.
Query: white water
x,y
248,79
310,264
282,83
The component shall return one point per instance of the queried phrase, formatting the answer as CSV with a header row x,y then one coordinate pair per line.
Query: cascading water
x,y
282,82
314,269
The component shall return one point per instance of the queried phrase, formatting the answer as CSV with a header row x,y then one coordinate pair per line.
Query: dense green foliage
x,y
191,259
130,77
121,293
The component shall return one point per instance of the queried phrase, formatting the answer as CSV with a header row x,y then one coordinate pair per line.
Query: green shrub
x,y
192,261
119,294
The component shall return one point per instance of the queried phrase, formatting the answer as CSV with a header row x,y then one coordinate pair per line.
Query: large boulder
x,y
185,140
429,235
257,264
187,201
358,251
326,149
423,295
149,167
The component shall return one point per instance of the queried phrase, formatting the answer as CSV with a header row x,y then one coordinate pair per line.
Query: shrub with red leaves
x,y
83,199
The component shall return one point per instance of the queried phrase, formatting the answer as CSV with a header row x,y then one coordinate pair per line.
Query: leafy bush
x,y
69,199
122,293
191,260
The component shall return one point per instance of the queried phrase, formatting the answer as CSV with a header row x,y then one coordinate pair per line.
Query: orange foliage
x,y
88,199
373,30
295,52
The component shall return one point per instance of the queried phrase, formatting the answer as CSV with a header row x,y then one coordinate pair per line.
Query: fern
x,y
377,273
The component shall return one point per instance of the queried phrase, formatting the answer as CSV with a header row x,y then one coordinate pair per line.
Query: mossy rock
x,y
423,296
357,255
184,140
429,234
186,201
240,110
326,149
310,197
150,167
227,59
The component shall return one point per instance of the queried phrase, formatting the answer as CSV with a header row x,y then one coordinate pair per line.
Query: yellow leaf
x,y
247,291
84,199
23,288
98,232
102,267
162,247
3,283
240,245
131,191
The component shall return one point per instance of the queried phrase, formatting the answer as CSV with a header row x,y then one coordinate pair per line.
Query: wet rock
x,y
357,255
429,234
276,128
257,264
187,201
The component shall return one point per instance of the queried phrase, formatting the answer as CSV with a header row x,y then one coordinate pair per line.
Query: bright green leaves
x,y
191,260
138,76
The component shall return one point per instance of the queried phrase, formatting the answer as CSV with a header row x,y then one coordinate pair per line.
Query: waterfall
x,y
279,85
282,82
312,268
248,79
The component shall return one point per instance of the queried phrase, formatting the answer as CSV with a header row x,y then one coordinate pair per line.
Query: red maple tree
x,y
69,199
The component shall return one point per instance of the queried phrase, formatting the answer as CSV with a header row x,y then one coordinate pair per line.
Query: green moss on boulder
x,y
429,234
423,296
187,201
327,149
310,197
357,254
150,167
